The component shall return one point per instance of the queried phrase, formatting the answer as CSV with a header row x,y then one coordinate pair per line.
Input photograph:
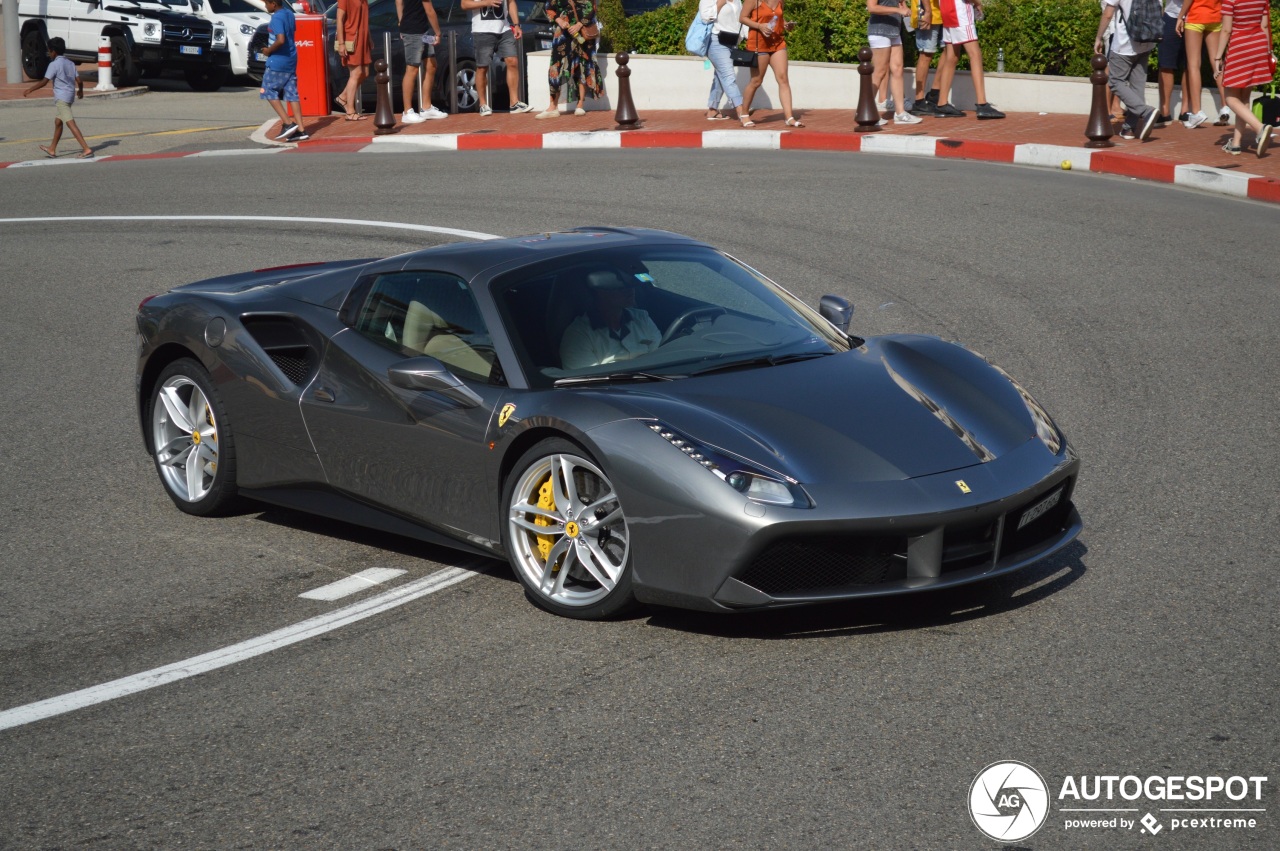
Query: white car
x,y
241,19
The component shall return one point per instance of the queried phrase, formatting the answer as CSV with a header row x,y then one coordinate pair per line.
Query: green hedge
x,y
1052,37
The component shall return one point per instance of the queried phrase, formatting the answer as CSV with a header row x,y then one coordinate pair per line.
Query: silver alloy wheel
x,y
567,531
184,432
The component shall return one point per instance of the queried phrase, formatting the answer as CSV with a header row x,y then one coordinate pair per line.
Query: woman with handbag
x,y
1246,41
573,55
355,51
725,35
766,39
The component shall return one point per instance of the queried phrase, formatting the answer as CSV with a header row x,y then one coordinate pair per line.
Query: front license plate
x,y
260,57
194,51
1037,510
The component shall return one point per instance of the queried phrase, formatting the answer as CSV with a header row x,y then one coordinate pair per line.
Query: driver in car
x,y
613,328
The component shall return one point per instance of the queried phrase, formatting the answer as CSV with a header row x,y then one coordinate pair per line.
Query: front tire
x,y
566,535
124,71
191,440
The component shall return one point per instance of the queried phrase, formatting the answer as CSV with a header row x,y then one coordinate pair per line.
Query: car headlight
x,y
752,481
151,31
220,36
246,29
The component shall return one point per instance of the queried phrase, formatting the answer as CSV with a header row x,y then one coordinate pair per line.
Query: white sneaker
x,y
412,117
1224,117
433,114
520,106
486,110
1195,120
906,118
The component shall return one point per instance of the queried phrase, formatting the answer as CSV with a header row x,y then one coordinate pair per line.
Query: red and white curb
x,y
1113,162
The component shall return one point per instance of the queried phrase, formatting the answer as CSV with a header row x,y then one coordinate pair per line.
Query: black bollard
x,y
867,116
626,115
1099,129
384,120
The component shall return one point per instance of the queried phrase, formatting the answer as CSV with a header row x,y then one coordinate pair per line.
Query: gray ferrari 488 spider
x,y
624,415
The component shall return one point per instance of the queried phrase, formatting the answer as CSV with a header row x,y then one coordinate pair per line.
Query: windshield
x,y
227,7
654,312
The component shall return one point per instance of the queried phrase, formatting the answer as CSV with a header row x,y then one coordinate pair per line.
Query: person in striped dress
x,y
1246,43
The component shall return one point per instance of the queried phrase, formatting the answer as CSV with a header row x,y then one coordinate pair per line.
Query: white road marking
x,y
301,631
361,581
468,234
20,715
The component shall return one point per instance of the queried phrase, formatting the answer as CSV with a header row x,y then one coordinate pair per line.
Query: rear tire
x,y
192,445
35,54
566,535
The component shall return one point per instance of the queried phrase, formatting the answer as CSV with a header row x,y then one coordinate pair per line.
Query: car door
x,y
422,454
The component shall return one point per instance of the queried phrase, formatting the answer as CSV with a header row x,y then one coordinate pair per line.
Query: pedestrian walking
x,y
766,38
67,86
280,78
355,50
1127,70
726,33
1246,39
573,56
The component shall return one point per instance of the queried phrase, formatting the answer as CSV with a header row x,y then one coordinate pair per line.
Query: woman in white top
x,y
724,35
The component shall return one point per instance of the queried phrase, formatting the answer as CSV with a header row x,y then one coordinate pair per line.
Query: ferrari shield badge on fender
x,y
507,410
963,487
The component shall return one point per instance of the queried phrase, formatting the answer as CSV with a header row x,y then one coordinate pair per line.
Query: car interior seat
x,y
427,332
568,300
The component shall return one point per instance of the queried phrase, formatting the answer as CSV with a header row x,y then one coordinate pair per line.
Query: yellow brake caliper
x,y
546,501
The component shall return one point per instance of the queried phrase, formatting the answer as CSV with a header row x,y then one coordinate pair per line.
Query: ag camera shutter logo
x,y
1008,801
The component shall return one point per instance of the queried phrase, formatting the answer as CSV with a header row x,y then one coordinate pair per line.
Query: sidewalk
x,y
1173,154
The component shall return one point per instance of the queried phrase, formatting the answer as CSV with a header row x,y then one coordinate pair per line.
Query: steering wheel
x,y
688,318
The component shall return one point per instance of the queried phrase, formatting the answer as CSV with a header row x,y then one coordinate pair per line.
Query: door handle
x,y
324,394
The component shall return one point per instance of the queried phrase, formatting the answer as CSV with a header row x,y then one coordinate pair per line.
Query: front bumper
x,y
698,544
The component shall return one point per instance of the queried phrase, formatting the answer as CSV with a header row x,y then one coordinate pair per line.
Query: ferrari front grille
x,y
824,565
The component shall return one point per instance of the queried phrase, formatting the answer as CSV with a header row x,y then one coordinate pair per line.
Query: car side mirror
x,y
429,374
836,310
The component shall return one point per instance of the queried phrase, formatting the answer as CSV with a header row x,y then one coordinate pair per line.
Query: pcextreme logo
x,y
1009,801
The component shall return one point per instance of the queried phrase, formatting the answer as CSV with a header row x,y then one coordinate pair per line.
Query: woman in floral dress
x,y
1246,41
573,56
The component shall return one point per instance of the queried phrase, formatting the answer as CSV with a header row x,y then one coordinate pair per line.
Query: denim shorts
x,y
487,44
930,40
415,47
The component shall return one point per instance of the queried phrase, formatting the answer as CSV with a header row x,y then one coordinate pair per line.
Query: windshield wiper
x,y
764,360
613,376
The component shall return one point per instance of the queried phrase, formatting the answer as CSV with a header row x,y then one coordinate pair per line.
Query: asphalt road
x,y
1142,316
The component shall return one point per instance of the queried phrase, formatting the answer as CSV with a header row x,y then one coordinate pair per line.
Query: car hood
x,y
896,408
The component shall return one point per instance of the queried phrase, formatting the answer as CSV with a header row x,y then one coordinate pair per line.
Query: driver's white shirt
x,y
585,344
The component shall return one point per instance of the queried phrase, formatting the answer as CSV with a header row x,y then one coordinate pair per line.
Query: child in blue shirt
x,y
280,79
67,86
